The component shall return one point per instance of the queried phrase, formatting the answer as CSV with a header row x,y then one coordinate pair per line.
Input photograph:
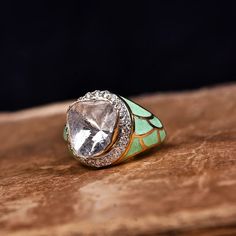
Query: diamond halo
x,y
125,127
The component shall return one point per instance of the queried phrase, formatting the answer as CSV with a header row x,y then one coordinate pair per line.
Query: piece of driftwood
x,y
188,187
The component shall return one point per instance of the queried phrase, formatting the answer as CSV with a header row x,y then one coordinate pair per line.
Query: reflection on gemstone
x,y
91,127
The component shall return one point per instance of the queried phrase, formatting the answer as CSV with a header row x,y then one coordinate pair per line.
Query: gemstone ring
x,y
103,129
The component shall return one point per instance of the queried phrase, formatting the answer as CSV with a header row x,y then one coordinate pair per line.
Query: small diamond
x,y
88,95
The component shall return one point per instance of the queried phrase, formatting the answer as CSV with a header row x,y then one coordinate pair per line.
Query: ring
x,y
103,129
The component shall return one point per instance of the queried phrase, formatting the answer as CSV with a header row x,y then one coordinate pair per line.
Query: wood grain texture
x,y
188,187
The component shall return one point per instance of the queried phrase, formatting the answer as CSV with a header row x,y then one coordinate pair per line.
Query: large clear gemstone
x,y
91,127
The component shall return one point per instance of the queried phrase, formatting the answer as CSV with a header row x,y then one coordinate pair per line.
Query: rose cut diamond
x,y
91,125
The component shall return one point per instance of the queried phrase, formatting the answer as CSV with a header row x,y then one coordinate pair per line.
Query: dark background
x,y
56,51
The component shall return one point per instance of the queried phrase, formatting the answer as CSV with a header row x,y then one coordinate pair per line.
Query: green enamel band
x,y
65,133
136,109
151,139
148,129
142,126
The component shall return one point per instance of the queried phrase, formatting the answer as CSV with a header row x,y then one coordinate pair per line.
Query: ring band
x,y
103,129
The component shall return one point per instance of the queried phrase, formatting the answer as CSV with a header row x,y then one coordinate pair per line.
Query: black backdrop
x,y
57,51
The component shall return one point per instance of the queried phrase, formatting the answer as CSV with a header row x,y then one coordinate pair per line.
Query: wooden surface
x,y
188,187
